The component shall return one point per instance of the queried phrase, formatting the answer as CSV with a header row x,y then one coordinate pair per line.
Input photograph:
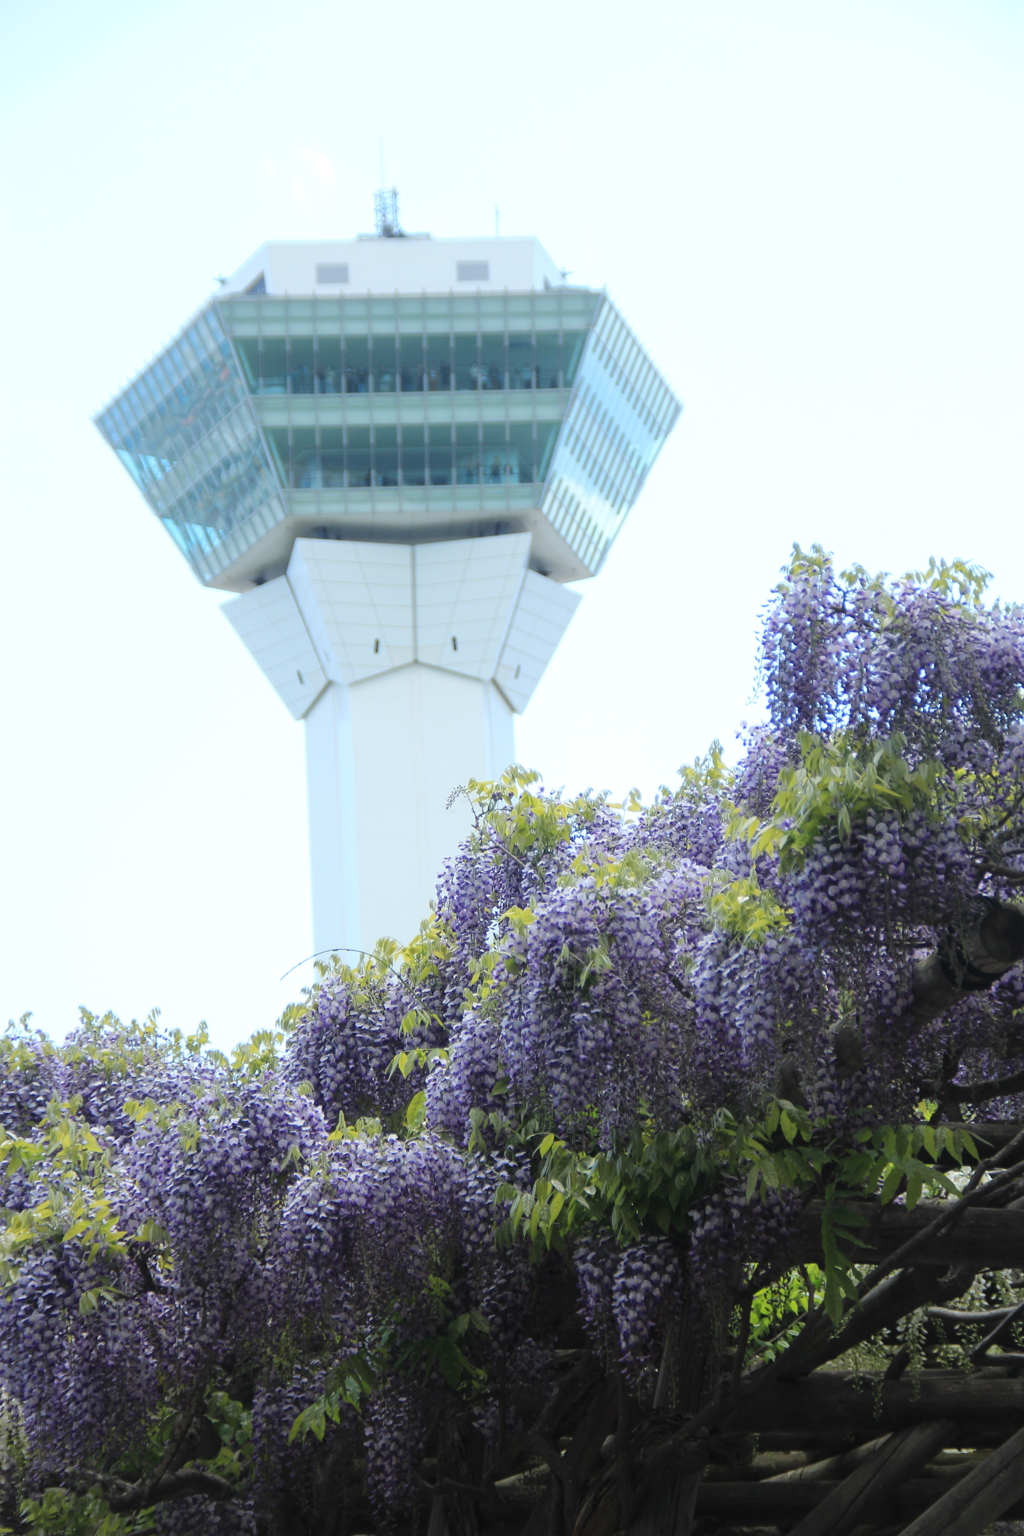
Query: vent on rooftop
x,y
258,286
332,272
473,271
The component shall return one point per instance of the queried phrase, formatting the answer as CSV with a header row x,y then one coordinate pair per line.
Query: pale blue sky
x,y
810,212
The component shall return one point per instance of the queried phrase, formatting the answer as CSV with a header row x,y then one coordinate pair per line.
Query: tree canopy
x,y
555,1220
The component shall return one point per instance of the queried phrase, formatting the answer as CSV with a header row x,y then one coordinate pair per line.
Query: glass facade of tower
x,y
617,418
393,412
186,433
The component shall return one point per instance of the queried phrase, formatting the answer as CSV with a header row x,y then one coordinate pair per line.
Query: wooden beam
x,y
866,1404
915,1500
987,1238
867,1490
985,1494
837,1466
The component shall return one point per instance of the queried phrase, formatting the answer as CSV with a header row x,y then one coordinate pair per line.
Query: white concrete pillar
x,y
382,759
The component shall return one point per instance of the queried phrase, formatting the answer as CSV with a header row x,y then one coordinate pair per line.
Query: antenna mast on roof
x,y
385,209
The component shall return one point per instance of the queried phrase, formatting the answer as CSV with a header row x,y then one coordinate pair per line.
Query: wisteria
x,y
645,1285
477,1194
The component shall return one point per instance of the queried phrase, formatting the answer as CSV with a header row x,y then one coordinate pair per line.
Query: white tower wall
x,y
406,663
382,759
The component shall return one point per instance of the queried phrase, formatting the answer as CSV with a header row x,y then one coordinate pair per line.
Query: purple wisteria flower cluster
x,y
337,1277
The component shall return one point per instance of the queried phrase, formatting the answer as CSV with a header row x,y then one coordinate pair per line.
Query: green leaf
x,y
416,1111
451,1362
891,1184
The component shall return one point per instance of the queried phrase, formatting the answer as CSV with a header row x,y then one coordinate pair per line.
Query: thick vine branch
x,y
977,1093
970,962
124,1498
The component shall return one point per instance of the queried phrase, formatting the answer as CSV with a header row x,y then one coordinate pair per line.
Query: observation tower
x,y
396,450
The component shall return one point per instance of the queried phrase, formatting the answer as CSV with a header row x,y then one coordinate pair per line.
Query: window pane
x,y
411,363
521,451
467,369
546,436
357,366
549,360
358,456
273,367
439,362
497,465
385,456
492,362
414,469
249,355
277,442
328,365
467,455
573,350
332,456
305,470
520,360
439,456
385,367
300,365
328,272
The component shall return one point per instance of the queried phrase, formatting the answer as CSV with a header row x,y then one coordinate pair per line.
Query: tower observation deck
x,y
396,450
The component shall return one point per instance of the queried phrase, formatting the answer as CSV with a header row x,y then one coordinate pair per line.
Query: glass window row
x,y
564,309
599,445
228,492
586,534
608,443
202,540
357,365
180,397
355,458
631,374
610,449
164,480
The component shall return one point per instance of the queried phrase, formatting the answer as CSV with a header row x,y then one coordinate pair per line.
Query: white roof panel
x,y
405,265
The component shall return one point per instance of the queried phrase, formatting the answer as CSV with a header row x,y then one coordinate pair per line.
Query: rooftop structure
x,y
396,449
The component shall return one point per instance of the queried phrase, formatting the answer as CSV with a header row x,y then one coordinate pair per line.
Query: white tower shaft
x,y
382,759
406,662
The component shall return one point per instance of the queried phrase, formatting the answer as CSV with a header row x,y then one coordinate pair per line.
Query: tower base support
x,y
406,662
383,758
